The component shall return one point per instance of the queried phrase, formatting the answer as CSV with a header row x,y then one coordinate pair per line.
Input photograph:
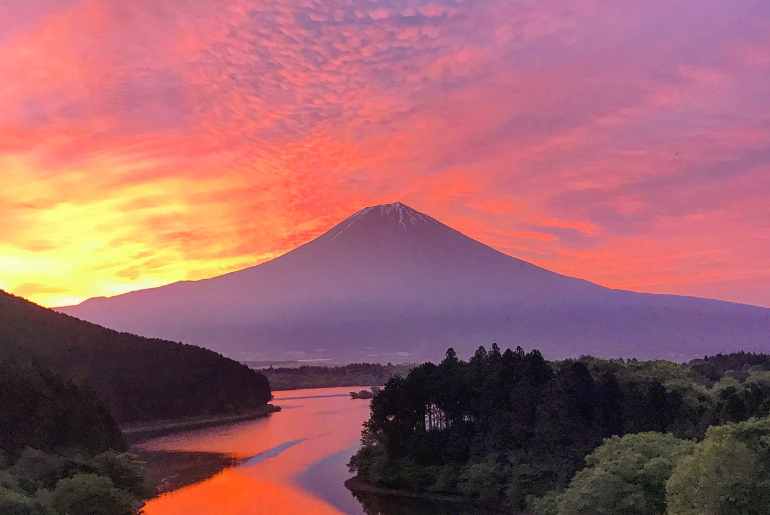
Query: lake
x,y
292,462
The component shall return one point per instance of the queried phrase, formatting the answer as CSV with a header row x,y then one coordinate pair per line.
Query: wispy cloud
x,y
147,142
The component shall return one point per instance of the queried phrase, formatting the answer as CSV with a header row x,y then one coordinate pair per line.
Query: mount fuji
x,y
391,283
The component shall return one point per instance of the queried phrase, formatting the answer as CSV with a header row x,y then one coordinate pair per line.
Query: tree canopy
x,y
624,475
509,427
61,452
727,473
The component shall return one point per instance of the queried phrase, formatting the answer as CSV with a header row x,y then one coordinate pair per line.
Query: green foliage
x,y
37,469
446,479
510,423
625,475
125,471
514,428
90,494
15,503
713,368
59,446
545,505
728,473
9,481
40,483
483,480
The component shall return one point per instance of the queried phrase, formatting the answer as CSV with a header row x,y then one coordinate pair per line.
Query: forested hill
x,y
138,378
61,452
511,428
42,411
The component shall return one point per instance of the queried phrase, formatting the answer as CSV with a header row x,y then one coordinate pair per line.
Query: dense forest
x,y
356,374
61,452
586,436
138,378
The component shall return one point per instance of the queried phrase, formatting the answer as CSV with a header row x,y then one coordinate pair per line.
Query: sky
x,y
151,141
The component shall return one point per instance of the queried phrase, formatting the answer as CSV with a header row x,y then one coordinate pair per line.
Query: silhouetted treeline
x,y
39,409
138,378
738,364
509,426
356,374
60,449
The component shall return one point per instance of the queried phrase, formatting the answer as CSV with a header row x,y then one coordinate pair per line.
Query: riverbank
x,y
136,433
464,505
167,471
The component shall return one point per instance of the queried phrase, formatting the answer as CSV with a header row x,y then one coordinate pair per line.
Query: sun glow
x,y
142,146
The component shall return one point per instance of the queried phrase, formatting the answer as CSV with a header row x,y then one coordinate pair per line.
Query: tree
x,y
728,473
625,475
450,359
89,494
15,503
125,471
513,426
42,410
610,405
482,480
36,469
657,403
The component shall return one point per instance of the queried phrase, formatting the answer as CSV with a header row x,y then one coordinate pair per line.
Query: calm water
x,y
295,462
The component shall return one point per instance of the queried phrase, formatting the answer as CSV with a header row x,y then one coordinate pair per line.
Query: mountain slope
x,y
392,283
42,411
138,378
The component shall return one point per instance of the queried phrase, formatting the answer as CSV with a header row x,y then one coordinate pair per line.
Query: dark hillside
x,y
41,410
138,378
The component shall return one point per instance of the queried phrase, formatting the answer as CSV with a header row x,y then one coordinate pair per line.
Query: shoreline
x,y
293,388
167,471
358,485
142,431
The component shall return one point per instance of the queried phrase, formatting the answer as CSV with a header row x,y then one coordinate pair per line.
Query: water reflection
x,y
294,462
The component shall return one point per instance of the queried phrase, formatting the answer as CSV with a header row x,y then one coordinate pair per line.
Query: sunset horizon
x,y
137,152
385,257
321,232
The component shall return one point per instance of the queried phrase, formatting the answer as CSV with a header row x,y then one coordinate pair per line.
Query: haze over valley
x,y
390,283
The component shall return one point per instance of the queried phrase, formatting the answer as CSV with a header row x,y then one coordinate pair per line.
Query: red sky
x,y
150,141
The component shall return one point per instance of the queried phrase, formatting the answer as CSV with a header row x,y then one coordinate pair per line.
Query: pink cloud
x,y
599,139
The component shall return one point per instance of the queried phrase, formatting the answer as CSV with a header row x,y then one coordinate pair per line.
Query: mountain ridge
x,y
390,281
138,378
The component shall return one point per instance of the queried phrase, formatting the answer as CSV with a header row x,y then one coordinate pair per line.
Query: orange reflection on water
x,y
314,425
232,492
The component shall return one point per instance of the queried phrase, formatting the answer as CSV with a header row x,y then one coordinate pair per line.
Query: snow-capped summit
x,y
396,213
